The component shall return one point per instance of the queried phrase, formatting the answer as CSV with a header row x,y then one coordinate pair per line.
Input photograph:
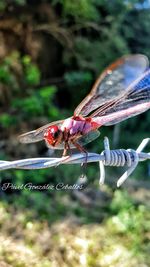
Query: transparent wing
x,y
113,82
89,137
38,134
134,102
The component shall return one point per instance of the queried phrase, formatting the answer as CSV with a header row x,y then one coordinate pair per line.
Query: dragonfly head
x,y
53,135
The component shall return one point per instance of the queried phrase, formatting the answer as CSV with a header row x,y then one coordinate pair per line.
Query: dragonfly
x,y
120,92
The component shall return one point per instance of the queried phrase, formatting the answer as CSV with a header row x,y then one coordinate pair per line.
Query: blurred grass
x,y
122,239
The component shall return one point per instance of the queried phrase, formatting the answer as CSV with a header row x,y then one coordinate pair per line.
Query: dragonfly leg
x,y
66,148
65,151
79,147
82,150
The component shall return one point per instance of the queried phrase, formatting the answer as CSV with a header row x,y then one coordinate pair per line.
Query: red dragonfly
x,y
121,91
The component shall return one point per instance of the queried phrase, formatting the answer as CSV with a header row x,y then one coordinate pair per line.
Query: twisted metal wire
x,y
122,157
118,157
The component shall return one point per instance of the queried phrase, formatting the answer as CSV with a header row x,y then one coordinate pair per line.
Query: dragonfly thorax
x,y
78,125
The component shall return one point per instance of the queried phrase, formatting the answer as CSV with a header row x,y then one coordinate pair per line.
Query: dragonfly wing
x,y
38,134
89,137
136,101
113,82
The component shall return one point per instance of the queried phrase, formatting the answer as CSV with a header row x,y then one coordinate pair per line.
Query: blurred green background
x,y
51,52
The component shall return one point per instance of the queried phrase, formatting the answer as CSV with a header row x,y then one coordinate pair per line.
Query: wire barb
x,y
118,157
121,157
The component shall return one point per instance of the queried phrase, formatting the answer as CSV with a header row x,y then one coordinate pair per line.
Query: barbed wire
x,y
118,157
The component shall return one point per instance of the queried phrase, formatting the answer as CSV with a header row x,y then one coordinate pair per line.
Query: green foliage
x,y
95,55
130,220
7,120
7,76
138,35
2,5
32,73
20,2
39,103
121,201
80,10
14,66
4,73
77,78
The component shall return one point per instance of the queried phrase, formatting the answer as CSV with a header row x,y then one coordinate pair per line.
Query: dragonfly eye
x,y
56,134
52,135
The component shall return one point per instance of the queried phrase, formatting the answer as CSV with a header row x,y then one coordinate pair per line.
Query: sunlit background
x,y
51,52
